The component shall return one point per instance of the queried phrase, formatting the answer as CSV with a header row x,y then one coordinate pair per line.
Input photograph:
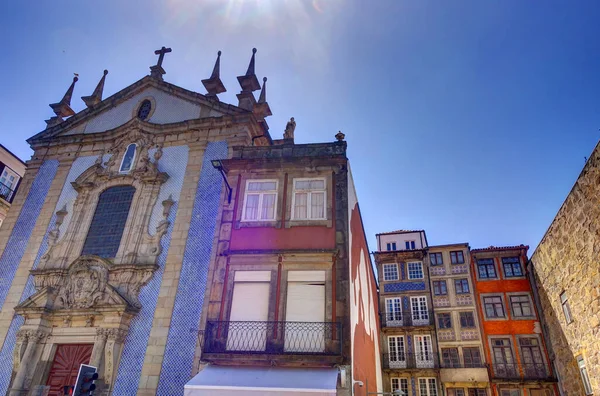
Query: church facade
x,y
107,250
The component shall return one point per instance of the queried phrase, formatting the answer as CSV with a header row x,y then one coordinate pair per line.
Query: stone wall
x,y
567,261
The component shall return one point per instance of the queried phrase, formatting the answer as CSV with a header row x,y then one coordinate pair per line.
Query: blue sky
x,y
469,119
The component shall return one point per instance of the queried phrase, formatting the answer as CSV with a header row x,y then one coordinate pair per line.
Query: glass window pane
x,y
317,204
251,207
300,206
268,207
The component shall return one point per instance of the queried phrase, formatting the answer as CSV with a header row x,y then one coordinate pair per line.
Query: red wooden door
x,y
66,364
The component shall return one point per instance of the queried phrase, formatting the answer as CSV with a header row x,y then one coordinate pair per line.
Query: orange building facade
x,y
512,338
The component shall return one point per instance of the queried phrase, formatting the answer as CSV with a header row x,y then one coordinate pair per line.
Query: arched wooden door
x,y
67,359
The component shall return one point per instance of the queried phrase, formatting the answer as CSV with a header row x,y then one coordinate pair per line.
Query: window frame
x,y
584,375
427,386
487,266
461,280
455,252
410,244
438,284
391,246
451,363
400,352
408,269
460,318
260,194
308,199
511,264
401,380
449,318
566,308
394,314
439,255
529,301
472,364
502,302
133,159
384,273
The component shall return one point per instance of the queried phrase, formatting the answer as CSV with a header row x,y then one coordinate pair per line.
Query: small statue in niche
x,y
289,129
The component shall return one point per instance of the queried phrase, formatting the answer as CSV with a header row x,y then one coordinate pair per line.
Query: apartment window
x,y
396,349
457,257
450,357
584,376
420,315
531,357
521,306
410,245
461,286
260,200
493,307
391,246
390,272
439,288
510,392
423,351
565,307
444,320
467,320
309,199
427,387
393,309
415,270
477,392
472,357
486,268
456,391
503,360
400,386
512,267
436,258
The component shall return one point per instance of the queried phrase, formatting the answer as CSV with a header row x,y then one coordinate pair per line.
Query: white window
x,y
128,159
397,353
427,387
424,351
584,376
400,386
9,178
393,311
415,270
260,201
309,199
420,314
390,272
564,301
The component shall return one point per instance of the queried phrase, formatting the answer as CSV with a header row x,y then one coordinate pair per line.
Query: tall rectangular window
x,y
391,246
420,314
503,358
493,307
424,355
400,384
260,200
436,258
439,288
512,267
444,320
520,306
410,245
457,257
486,268
564,301
397,353
587,386
461,286
309,199
467,320
427,387
390,272
472,357
393,310
450,358
415,270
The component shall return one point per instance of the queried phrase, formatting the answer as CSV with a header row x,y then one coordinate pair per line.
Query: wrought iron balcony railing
x,y
407,318
309,338
410,360
6,193
525,371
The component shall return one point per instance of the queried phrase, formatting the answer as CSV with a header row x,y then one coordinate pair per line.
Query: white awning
x,y
271,381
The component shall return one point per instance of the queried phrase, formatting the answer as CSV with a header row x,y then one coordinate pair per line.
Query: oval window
x,y
128,158
144,109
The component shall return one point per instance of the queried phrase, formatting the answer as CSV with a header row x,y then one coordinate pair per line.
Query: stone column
x,y
28,362
98,351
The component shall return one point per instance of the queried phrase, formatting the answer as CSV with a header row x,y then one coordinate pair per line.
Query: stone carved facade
x,y
566,261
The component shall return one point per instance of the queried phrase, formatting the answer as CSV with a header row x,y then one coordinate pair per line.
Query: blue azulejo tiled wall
x,y
15,248
403,286
174,162
183,332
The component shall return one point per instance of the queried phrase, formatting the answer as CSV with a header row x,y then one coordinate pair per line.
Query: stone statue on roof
x,y
289,129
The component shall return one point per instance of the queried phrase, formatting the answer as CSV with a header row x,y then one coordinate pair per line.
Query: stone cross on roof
x,y
157,70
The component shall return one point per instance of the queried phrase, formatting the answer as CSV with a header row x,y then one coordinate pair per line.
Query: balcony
x,y
533,371
273,338
6,193
463,372
407,318
395,361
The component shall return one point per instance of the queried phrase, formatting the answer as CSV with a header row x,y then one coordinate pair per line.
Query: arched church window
x,y
144,109
128,158
105,232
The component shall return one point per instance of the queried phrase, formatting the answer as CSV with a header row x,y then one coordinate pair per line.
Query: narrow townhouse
x,y
462,360
410,357
512,337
